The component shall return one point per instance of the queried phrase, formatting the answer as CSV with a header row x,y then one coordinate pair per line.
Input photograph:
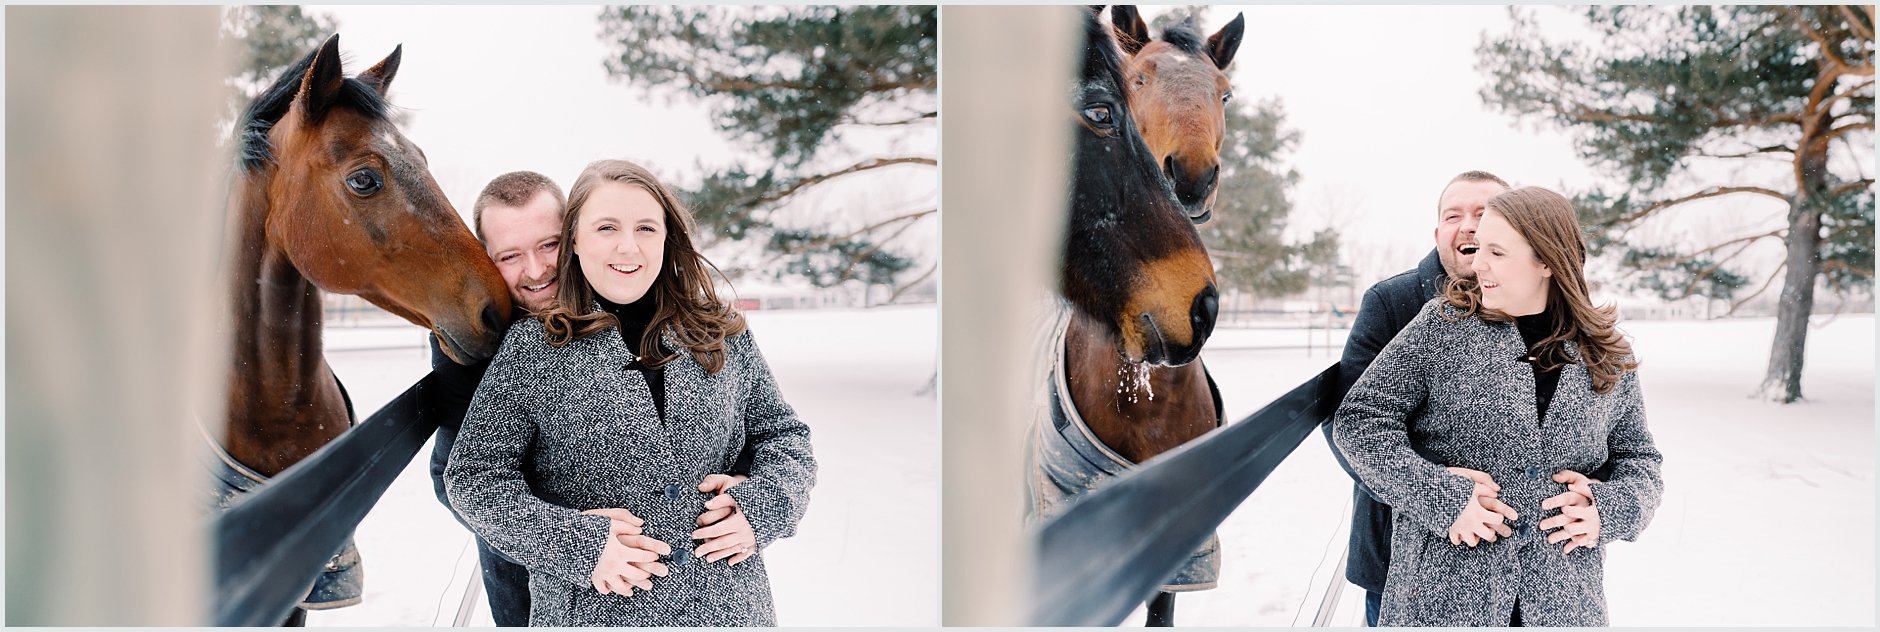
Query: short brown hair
x,y
1469,176
513,189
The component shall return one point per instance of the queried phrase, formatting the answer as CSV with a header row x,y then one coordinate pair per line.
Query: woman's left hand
x,y
730,538
717,484
1578,521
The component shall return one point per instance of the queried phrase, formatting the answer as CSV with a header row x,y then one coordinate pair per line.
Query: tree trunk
x,y
1783,380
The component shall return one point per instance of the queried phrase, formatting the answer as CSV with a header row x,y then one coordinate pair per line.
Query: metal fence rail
x,y
1111,549
271,545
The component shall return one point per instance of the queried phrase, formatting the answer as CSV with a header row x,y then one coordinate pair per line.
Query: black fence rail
x,y
271,545
1112,549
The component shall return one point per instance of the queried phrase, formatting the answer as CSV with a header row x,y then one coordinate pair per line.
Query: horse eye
x,y
1099,115
364,182
1227,95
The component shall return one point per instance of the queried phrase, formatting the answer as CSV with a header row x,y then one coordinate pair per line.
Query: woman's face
x,y
1513,281
620,240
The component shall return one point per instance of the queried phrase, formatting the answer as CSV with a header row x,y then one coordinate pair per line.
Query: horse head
x,y
1132,258
1178,89
353,206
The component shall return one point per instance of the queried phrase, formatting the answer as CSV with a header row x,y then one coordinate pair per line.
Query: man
x,y
1387,308
518,218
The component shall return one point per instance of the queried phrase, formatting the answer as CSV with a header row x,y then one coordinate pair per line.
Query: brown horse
x,y
1140,288
331,197
1179,90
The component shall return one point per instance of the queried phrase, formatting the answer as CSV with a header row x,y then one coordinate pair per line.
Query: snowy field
x,y
867,553
1768,515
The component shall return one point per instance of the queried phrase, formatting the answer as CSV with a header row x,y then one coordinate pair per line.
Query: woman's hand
x,y
628,559
717,484
730,538
1482,518
1578,522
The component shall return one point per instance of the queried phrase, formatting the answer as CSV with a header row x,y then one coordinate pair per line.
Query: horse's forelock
x,y
267,109
1102,60
1185,38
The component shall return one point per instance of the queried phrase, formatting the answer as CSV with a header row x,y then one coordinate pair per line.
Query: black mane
x,y
266,110
1184,37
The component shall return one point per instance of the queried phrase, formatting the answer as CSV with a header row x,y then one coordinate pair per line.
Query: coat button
x,y
681,556
1533,473
672,491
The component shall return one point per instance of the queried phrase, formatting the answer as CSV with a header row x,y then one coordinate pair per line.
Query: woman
x,y
1516,383
590,450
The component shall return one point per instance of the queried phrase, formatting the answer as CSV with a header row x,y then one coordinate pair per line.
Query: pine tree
x,y
1669,88
794,84
270,38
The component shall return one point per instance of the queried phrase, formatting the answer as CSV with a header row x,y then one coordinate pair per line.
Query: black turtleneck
x,y
1534,328
634,318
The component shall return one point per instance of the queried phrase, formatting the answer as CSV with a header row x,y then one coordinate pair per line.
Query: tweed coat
x,y
579,427
1386,309
1456,393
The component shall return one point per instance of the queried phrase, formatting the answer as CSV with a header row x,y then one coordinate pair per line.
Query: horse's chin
x,y
1201,213
457,351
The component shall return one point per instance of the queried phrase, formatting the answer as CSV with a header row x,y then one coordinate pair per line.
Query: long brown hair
x,y
1545,219
685,300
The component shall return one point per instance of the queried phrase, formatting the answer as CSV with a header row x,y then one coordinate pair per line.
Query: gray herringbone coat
x,y
580,429
1456,394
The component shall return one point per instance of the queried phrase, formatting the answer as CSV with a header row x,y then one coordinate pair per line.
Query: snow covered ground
x,y
868,551
1768,516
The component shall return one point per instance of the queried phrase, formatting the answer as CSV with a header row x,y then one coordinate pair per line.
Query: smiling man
x,y
518,219
1387,308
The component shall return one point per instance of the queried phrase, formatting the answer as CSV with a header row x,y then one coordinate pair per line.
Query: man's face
x,y
524,242
1457,215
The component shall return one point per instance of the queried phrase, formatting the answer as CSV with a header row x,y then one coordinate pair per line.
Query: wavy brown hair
x,y
686,302
1546,220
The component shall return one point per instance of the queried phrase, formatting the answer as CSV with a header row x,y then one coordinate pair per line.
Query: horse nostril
x,y
1170,167
1206,184
1207,306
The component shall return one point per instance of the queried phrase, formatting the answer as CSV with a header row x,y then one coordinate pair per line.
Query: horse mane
x,y
1184,37
266,110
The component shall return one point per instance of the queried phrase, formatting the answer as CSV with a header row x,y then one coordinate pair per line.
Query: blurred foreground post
x,y
114,205
1005,154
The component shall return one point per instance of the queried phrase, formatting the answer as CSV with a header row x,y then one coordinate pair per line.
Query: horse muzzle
x,y
1158,349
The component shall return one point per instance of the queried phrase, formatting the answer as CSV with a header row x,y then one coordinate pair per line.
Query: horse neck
x,y
1137,410
282,400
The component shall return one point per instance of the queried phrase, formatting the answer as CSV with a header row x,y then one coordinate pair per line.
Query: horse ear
x,y
379,76
320,86
1223,44
1131,32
